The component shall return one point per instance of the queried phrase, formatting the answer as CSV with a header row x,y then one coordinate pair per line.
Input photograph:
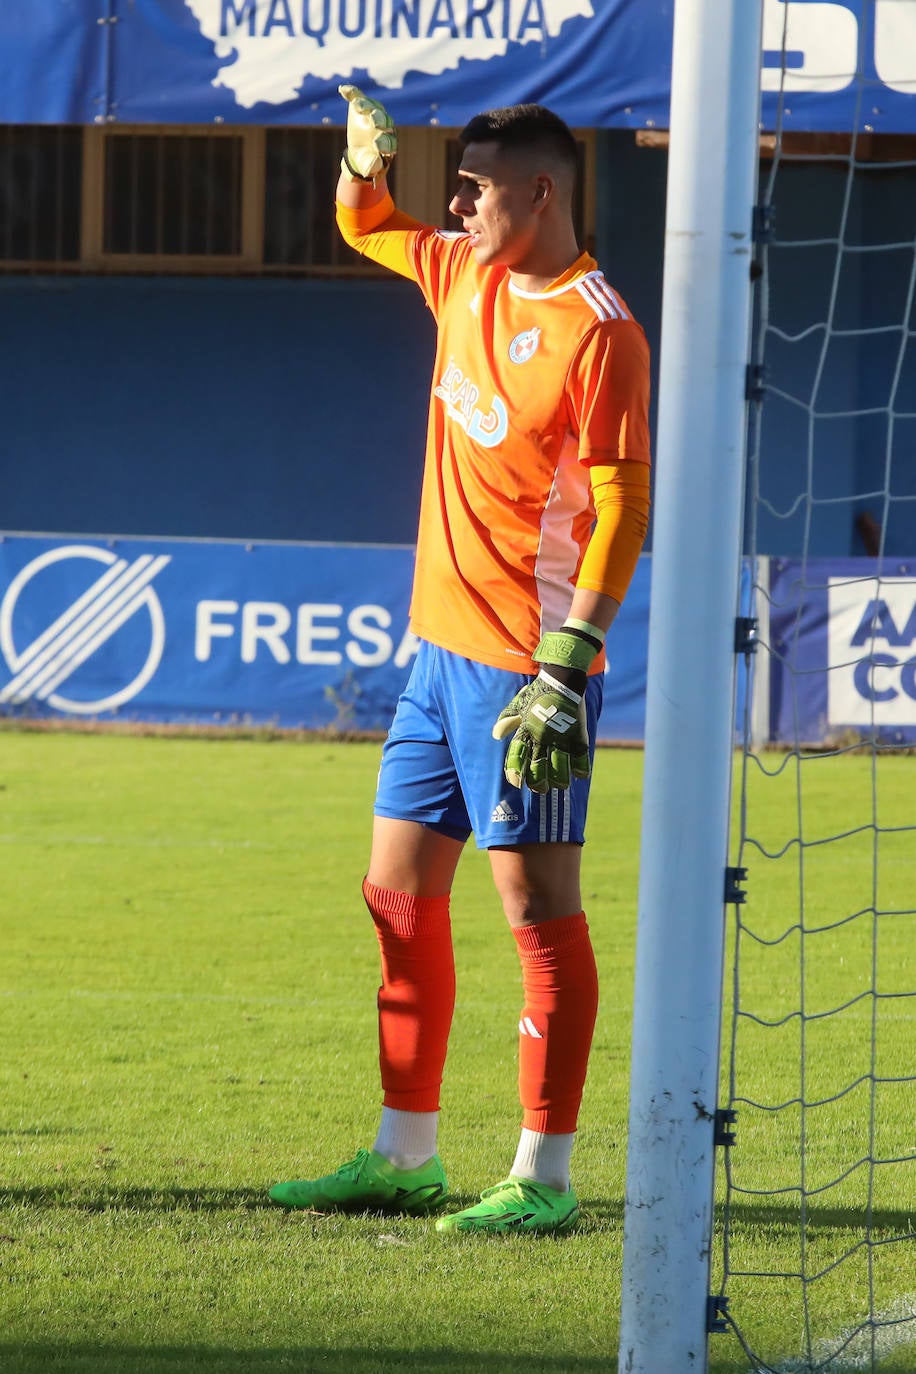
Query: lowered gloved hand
x,y
372,139
546,718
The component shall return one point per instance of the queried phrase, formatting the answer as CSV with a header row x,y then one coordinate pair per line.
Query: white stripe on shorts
x,y
554,817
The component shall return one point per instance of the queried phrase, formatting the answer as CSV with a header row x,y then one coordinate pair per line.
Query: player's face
x,y
495,202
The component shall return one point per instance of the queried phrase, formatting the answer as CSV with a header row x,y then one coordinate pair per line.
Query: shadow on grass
x,y
769,1217
597,1212
28,1132
63,1198
86,1358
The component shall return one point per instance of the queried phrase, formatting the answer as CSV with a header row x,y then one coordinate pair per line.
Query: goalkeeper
x,y
534,509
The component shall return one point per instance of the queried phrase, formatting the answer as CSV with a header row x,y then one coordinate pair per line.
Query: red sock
x,y
560,984
417,996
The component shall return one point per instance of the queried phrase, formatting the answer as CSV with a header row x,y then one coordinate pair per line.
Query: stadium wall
x,y
201,407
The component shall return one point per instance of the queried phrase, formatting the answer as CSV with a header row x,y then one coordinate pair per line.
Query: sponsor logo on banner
x,y
309,634
822,41
872,651
223,632
83,629
272,46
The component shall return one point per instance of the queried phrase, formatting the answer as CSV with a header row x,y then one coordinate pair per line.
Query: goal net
x,y
816,1249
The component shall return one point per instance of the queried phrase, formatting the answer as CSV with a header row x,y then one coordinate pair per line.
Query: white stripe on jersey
x,y
558,553
610,294
605,302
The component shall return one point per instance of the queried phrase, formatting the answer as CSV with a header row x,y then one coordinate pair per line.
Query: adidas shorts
x,y
441,767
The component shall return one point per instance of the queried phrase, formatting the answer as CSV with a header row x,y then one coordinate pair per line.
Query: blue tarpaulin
x,y
599,63
302,636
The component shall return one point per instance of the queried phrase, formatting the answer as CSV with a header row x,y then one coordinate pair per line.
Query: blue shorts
x,y
441,767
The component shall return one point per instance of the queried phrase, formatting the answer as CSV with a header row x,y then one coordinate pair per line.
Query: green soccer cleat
x,y
516,1204
368,1183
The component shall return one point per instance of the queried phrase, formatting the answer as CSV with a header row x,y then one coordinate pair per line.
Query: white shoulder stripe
x,y
605,302
602,308
586,296
612,296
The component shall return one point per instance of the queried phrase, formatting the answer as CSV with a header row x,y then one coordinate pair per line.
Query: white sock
x,y
407,1139
544,1158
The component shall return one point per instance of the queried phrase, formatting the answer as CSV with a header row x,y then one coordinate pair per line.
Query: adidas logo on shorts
x,y
503,812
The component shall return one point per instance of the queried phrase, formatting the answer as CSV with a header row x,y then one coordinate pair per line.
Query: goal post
x,y
712,173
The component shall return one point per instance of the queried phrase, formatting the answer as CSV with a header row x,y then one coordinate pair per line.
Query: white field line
x,y
143,842
896,1329
145,995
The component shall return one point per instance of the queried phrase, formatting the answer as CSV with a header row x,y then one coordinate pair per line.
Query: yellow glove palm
x,y
372,139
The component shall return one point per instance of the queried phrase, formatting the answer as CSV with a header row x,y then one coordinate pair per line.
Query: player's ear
x,y
541,192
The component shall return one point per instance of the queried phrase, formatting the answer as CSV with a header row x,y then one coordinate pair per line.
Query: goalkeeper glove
x,y
547,718
372,139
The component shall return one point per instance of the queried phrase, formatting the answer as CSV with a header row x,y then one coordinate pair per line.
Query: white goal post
x,y
700,462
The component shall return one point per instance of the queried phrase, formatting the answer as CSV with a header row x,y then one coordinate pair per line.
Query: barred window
x,y
300,173
40,193
203,198
173,194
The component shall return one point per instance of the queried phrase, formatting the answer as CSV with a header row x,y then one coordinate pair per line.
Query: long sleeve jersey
x,y
529,390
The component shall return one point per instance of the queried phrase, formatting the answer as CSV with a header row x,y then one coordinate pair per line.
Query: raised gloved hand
x,y
372,139
546,718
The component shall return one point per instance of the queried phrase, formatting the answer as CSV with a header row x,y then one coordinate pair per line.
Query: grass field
x,y
187,1015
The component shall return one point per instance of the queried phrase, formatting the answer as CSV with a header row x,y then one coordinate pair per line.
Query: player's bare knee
x,y
527,907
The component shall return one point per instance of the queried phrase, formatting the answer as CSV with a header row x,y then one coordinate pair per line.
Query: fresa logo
x,y
81,629
182,631
312,633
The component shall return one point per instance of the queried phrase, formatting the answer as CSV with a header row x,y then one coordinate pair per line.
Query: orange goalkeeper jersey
x,y
529,389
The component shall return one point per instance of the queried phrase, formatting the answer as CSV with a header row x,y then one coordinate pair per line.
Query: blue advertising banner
x,y
599,63
307,636
843,650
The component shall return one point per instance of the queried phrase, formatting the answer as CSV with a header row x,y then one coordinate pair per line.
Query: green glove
x,y
546,719
372,139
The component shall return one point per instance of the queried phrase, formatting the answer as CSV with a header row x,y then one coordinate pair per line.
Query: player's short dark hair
x,y
532,128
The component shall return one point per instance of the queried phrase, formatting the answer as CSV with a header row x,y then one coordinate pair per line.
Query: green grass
x,y
187,1015
852,931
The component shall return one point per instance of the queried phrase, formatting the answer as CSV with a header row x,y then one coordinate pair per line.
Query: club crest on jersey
x,y
525,345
